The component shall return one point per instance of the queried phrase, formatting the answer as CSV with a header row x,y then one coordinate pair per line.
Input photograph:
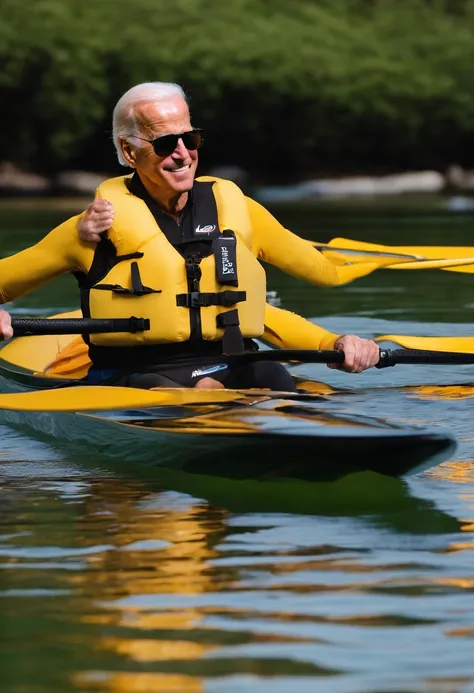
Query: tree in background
x,y
284,88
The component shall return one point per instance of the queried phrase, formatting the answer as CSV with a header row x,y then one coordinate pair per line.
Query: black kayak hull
x,y
254,434
295,453
264,436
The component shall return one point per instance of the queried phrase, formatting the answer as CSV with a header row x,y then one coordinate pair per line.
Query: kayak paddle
x,y
41,326
419,252
373,254
94,398
359,251
421,349
388,357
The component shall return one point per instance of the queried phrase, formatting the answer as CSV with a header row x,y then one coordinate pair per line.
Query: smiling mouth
x,y
180,169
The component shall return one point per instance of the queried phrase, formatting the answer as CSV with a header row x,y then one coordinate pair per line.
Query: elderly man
x,y
182,251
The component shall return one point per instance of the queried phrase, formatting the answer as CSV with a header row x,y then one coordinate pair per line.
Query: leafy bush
x,y
283,87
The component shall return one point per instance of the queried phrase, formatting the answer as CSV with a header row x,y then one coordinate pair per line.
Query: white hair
x,y
124,123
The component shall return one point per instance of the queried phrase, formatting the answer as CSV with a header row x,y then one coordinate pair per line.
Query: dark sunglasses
x,y
166,144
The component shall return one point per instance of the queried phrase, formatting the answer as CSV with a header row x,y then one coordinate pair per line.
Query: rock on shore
x,y
15,181
395,184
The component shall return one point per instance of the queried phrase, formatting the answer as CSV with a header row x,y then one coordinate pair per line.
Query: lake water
x,y
117,579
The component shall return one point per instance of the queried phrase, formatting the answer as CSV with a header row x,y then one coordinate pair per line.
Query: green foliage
x,y
303,84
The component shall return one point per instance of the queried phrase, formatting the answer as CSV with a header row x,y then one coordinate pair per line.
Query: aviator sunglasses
x,y
166,144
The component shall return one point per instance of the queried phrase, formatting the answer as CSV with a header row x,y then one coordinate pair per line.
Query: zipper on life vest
x,y
194,273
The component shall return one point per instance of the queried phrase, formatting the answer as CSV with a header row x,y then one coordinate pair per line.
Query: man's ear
x,y
128,152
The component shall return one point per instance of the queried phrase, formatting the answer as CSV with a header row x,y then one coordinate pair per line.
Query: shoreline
x,y
35,202
72,190
416,202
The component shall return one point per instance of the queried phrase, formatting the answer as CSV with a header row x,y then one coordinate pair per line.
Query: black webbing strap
x,y
129,256
138,288
197,299
233,341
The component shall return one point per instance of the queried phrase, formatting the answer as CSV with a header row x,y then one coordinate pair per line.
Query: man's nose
x,y
180,149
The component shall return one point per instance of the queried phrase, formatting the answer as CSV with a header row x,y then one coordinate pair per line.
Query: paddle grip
x,y
40,326
390,357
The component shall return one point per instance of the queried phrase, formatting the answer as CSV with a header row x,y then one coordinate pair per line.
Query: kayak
x,y
238,434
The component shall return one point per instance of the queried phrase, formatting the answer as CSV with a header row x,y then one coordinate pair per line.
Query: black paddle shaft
x,y
38,326
388,357
43,326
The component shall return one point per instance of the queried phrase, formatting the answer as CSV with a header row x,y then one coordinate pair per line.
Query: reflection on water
x,y
455,472
462,391
463,474
110,584
116,579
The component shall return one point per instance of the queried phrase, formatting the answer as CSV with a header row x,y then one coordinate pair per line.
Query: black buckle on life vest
x,y
190,300
233,341
138,288
197,299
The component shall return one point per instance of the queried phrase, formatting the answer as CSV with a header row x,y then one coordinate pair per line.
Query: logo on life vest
x,y
225,254
210,369
227,264
209,228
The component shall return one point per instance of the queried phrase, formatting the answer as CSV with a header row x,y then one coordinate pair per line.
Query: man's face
x,y
172,174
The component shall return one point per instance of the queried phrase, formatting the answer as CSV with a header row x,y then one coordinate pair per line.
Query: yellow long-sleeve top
x,y
63,251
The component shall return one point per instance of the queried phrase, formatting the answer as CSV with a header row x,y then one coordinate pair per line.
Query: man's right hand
x,y
98,218
6,331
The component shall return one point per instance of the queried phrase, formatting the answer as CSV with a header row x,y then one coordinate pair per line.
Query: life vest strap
x,y
233,341
129,256
197,299
138,288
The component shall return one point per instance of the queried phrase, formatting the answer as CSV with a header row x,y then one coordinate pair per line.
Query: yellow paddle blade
x,y
346,255
92,398
399,261
464,269
341,255
449,258
431,252
455,344
356,270
460,264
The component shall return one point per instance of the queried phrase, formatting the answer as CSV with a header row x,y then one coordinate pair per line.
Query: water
x,y
129,580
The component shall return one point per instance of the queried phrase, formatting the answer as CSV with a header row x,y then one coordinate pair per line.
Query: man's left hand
x,y
360,354
98,218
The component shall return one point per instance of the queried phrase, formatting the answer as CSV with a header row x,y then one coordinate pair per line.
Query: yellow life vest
x,y
149,277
